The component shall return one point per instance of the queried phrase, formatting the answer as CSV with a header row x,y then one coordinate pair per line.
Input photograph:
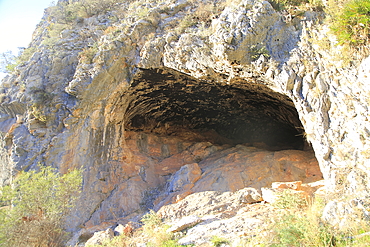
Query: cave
x,y
167,102
178,135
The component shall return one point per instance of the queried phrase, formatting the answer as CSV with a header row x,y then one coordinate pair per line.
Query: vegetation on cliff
x,y
349,20
33,207
153,233
110,36
296,221
301,224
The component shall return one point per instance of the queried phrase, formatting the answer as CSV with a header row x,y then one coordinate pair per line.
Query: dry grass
x,y
302,225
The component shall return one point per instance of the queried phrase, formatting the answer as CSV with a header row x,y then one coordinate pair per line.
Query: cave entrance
x,y
167,102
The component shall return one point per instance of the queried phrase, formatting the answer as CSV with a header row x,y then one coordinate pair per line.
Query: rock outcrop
x,y
161,170
234,217
183,98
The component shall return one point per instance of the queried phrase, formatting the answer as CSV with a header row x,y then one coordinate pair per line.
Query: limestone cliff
x,y
137,91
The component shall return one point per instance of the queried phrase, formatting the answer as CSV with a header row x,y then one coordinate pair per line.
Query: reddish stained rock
x,y
296,185
141,179
307,190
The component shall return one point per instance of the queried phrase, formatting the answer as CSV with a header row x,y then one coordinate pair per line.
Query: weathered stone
x,y
235,168
345,213
159,94
307,190
272,195
187,175
232,216
203,203
184,223
126,229
99,237
296,185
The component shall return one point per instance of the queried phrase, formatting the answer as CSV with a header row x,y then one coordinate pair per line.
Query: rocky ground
x,y
198,188
233,217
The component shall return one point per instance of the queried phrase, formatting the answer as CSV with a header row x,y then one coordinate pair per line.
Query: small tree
x,y
32,209
7,61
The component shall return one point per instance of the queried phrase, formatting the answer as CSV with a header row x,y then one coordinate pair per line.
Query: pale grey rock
x,y
346,213
152,54
228,222
210,202
188,174
269,195
119,229
287,76
184,223
332,100
99,237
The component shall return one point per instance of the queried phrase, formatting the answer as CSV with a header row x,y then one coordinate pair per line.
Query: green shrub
x,y
284,4
186,22
351,25
26,54
300,223
171,243
38,112
218,241
151,220
64,15
96,7
289,199
300,230
257,50
10,67
153,232
8,61
305,227
88,53
34,205
69,12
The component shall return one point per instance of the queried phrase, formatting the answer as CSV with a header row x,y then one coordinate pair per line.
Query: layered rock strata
x,y
237,74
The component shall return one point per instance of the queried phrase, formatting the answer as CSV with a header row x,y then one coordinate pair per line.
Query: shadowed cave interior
x,y
166,102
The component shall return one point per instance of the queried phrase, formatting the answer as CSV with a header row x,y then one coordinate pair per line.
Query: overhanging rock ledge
x,y
149,84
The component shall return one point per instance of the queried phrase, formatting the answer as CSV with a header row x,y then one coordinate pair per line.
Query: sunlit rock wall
x,y
71,111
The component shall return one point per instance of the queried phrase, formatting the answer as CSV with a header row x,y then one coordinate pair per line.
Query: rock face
x,y
158,170
185,98
234,216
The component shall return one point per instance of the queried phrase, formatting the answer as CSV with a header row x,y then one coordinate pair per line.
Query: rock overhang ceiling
x,y
166,101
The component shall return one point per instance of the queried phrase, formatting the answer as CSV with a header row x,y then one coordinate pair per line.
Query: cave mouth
x,y
167,102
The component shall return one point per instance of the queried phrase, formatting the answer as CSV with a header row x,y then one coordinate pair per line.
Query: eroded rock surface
x,y
225,215
164,169
228,94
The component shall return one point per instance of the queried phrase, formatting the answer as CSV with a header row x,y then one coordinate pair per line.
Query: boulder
x,y
203,203
99,237
187,175
183,223
126,229
307,190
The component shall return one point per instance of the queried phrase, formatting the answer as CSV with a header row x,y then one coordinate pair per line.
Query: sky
x,y
18,20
